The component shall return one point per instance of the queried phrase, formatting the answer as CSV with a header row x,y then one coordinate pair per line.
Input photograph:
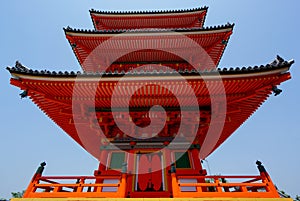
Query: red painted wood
x,y
144,178
157,174
209,40
244,96
194,19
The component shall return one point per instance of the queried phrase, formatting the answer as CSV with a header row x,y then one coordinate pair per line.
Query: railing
x,y
108,186
222,186
183,186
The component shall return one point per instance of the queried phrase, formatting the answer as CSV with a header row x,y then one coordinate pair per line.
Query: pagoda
x,y
150,104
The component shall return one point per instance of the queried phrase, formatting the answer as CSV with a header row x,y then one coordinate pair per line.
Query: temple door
x,y
156,175
149,172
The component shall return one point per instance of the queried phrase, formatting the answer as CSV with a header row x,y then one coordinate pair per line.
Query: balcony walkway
x,y
184,187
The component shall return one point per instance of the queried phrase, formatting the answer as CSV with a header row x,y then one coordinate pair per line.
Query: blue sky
x,y
32,33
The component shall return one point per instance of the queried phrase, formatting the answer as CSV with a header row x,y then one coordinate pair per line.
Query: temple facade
x,y
150,103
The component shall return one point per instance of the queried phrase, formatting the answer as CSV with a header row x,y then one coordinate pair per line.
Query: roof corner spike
x,y
279,60
19,66
276,91
230,24
68,28
24,94
292,61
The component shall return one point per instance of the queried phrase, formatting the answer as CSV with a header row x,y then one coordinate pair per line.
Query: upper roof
x,y
111,20
97,49
246,89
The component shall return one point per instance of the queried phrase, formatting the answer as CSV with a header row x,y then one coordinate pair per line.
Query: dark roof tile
x,y
93,11
218,27
18,68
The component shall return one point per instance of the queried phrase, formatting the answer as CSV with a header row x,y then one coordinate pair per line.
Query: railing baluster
x,y
219,187
243,188
175,185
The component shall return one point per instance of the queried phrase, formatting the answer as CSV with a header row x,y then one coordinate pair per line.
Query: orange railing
x,y
55,187
224,186
183,186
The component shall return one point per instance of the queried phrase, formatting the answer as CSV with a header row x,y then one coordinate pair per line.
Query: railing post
x,y
270,187
122,187
80,187
219,187
34,180
199,188
122,190
175,186
244,189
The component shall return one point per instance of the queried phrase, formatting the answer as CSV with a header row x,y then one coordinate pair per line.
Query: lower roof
x,y
81,103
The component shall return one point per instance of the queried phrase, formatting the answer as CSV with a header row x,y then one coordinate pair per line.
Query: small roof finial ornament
x,y
18,65
276,91
277,61
24,94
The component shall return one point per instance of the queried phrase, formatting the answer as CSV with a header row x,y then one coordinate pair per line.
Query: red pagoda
x,y
150,104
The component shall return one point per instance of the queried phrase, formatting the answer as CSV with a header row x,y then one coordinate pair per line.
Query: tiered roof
x,y
156,39
126,40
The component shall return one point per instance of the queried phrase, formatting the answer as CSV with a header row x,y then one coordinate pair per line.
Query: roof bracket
x,y
24,94
276,91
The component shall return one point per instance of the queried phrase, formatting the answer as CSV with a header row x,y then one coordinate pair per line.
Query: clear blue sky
x,y
31,31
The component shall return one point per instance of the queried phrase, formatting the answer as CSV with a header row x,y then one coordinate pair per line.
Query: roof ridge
x,y
128,12
276,64
215,27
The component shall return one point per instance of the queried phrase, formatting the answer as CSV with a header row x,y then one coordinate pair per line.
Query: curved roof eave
x,y
280,67
192,10
85,32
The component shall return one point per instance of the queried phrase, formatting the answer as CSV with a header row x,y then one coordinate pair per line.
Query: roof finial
x,y
277,61
18,65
